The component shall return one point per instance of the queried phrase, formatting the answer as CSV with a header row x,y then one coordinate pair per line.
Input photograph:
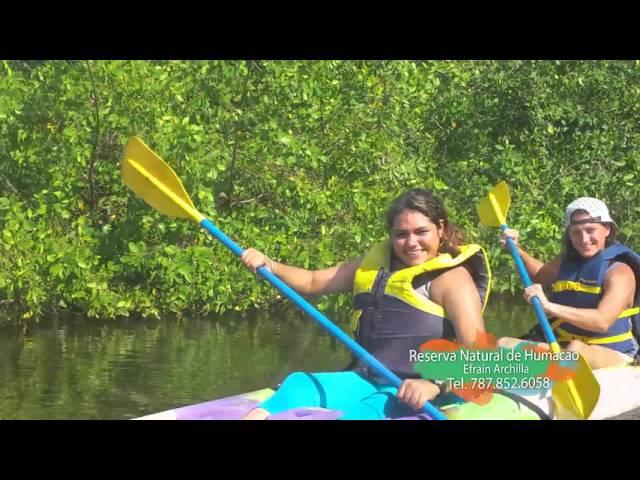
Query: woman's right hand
x,y
253,259
509,232
417,392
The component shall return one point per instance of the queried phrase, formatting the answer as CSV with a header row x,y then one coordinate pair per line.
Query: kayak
x,y
619,393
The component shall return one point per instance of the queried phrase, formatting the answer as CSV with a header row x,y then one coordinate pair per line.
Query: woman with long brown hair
x,y
421,283
595,292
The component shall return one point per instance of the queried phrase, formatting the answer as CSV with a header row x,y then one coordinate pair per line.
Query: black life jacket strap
x,y
527,403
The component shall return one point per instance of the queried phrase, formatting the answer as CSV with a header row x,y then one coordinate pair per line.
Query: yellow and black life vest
x,y
390,318
579,284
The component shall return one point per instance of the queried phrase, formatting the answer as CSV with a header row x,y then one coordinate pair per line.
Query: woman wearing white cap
x,y
595,285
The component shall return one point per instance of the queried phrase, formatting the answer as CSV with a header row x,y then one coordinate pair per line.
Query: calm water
x,y
76,369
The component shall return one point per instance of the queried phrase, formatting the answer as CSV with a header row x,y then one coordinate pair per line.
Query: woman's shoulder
x,y
452,285
620,271
454,276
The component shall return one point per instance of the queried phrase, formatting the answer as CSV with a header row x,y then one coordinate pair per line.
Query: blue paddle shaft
x,y
537,305
292,295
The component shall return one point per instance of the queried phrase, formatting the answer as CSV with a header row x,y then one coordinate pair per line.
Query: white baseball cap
x,y
596,209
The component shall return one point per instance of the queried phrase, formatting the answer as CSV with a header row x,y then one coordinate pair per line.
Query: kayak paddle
x,y
154,181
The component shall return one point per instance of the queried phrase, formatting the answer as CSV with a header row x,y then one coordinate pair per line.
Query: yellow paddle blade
x,y
493,208
577,398
155,182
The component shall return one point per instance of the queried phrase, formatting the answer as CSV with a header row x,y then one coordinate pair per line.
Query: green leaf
x,y
7,237
439,185
25,243
70,132
56,270
285,139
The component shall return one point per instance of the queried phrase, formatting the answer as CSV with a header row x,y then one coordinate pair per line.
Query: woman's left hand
x,y
536,290
416,392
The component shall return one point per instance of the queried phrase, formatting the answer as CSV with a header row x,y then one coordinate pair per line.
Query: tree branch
x,y
11,187
94,153
234,153
561,174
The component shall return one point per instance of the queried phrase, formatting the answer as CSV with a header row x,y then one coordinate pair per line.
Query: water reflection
x,y
86,370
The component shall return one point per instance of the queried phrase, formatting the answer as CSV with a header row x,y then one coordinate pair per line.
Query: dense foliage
x,y
296,158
